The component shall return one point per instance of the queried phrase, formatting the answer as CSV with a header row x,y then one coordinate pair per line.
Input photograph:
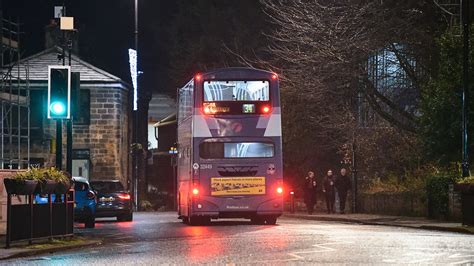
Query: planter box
x,y
62,188
46,187
20,187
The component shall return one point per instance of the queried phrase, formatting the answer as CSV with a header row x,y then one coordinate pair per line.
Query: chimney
x,y
52,34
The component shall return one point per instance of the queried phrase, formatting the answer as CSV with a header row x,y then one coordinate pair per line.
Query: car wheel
x,y
90,222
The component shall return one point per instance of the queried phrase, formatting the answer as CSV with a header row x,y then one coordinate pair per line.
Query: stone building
x,y
101,137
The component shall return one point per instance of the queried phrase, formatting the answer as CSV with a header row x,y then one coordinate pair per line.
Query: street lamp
x,y
465,92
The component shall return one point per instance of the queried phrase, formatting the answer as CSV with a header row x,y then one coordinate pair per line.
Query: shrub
x,y
42,174
30,174
56,175
394,184
466,180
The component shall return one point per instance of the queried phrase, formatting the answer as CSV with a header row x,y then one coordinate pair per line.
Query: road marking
x,y
268,261
296,256
321,248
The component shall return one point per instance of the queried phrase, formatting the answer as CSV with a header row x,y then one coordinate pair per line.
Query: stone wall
x,y
400,204
107,135
397,204
320,205
454,204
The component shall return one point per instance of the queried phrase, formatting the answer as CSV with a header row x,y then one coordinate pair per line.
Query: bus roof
x,y
244,72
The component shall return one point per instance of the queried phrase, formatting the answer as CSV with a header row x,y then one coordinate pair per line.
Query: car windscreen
x,y
80,186
107,186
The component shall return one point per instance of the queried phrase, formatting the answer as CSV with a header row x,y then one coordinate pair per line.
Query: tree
x,y
323,51
441,132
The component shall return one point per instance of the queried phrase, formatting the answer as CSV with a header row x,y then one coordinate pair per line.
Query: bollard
x,y
292,198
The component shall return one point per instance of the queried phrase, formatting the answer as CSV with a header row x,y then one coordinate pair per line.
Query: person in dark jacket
x,y
310,191
343,184
329,191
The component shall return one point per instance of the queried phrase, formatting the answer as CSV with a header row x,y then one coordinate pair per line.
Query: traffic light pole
x,y
465,92
59,143
69,127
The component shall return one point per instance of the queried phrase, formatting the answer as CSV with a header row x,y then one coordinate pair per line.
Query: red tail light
x,y
195,191
266,109
124,196
90,195
280,190
274,76
198,77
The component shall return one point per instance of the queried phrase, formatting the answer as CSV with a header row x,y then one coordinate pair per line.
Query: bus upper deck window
x,y
240,90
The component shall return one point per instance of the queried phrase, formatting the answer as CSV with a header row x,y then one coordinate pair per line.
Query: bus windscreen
x,y
215,91
222,150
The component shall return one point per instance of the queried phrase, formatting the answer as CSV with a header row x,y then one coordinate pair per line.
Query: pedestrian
x,y
310,191
329,191
343,184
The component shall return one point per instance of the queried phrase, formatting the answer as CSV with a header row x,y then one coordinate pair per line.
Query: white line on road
x,y
296,256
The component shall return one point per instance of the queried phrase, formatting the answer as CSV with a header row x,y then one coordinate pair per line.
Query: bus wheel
x,y
185,220
205,220
194,220
271,220
257,220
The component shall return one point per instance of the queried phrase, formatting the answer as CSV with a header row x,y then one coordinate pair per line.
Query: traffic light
x,y
59,92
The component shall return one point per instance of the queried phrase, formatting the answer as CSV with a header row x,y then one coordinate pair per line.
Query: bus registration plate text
x,y
228,186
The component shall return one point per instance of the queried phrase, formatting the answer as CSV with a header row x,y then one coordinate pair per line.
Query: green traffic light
x,y
57,108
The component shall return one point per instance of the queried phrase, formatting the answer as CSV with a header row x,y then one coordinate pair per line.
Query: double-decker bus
x,y
229,147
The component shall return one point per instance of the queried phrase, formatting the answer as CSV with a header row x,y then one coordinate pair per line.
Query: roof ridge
x,y
74,58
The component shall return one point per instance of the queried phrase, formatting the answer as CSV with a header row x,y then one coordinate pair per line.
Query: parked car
x,y
84,202
113,200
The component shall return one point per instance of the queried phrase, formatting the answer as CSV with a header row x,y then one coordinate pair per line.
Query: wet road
x,y
158,238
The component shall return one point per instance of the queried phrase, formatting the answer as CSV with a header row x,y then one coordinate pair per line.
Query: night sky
x,y
106,31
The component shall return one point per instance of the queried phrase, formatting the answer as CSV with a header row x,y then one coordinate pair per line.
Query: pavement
x,y
386,220
22,249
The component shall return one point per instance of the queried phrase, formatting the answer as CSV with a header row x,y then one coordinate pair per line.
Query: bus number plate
x,y
206,166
